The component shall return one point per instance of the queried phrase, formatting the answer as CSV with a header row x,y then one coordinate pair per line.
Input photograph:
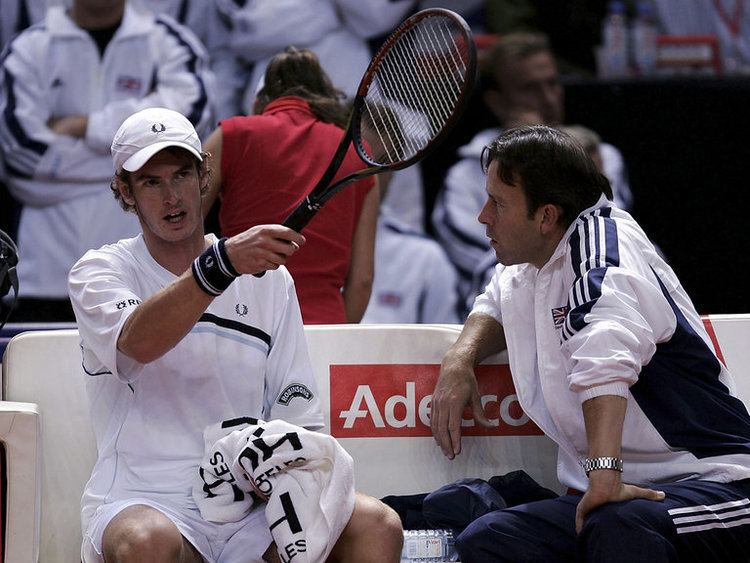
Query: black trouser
x,y
698,521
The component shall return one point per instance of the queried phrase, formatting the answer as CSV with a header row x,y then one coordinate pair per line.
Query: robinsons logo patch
x,y
292,391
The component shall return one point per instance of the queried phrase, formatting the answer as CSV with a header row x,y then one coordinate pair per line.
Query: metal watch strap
x,y
595,463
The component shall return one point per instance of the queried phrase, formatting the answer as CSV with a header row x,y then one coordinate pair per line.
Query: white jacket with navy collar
x,y
53,70
609,317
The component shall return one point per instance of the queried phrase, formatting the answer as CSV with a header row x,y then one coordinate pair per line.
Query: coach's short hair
x,y
550,166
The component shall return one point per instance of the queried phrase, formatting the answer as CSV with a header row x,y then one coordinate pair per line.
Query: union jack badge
x,y
559,314
128,84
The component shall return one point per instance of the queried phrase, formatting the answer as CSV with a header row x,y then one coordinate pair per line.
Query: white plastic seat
x,y
373,381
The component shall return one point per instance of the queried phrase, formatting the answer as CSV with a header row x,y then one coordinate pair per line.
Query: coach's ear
x,y
549,216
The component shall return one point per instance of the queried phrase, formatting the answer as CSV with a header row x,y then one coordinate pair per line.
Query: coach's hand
x,y
455,389
606,486
263,247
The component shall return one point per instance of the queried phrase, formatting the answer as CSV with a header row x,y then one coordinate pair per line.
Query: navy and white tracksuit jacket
x,y
607,316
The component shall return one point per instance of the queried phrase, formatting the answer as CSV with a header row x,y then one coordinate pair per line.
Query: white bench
x,y
374,383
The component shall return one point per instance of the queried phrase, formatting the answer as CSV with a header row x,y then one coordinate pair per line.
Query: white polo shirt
x,y
246,356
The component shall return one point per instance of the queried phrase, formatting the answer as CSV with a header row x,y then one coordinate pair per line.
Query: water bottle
x,y
428,546
614,49
643,34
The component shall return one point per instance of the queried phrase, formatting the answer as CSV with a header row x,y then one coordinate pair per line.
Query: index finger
x,y
282,248
290,236
285,233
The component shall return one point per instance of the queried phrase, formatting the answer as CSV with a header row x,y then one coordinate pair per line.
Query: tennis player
x,y
175,338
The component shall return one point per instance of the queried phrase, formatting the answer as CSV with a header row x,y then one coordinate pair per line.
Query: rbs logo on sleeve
x,y
394,400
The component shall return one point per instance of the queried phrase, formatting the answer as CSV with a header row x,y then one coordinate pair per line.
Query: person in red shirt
x,y
272,159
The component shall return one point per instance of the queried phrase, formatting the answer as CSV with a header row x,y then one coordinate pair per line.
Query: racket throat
x,y
311,205
302,214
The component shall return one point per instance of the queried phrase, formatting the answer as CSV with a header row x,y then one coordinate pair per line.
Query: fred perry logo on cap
x,y
149,131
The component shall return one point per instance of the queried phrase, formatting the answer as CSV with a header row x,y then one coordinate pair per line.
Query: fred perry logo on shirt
x,y
292,391
559,314
127,303
240,309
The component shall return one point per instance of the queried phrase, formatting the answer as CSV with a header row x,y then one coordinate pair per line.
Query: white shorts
x,y
246,540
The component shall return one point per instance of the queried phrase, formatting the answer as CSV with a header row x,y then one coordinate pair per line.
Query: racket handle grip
x,y
301,215
298,219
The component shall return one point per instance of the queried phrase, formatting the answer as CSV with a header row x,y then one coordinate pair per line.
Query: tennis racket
x,y
412,93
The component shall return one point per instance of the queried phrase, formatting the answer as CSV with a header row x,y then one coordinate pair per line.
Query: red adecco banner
x,y
394,400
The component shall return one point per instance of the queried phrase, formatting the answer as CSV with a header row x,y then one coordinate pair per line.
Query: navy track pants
x,y
698,521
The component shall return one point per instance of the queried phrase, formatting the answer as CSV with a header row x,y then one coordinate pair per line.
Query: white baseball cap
x,y
148,131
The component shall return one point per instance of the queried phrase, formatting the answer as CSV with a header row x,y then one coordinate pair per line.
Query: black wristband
x,y
212,270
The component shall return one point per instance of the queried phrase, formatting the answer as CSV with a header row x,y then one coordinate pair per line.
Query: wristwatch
x,y
590,464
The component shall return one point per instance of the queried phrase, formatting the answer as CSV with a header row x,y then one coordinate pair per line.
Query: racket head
x,y
414,90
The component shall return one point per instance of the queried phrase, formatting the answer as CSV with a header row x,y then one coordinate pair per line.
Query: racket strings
x,y
415,90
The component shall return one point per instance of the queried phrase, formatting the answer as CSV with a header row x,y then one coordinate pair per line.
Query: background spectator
x,y
271,160
65,88
414,280
335,30
728,20
212,29
573,27
15,16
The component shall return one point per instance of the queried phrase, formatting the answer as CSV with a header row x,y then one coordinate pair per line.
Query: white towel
x,y
306,477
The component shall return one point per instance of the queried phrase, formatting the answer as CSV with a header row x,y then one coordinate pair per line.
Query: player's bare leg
x,y
143,534
271,555
373,534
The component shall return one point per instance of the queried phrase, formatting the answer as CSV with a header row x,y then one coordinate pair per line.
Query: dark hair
x,y
517,45
123,176
550,166
297,72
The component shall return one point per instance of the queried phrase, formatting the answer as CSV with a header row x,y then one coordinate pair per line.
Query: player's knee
x,y
145,544
372,523
391,526
379,520
150,538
